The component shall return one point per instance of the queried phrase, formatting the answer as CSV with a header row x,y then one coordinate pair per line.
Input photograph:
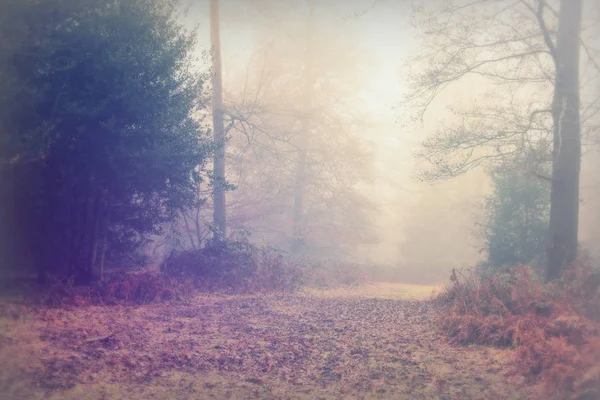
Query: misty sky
x,y
381,35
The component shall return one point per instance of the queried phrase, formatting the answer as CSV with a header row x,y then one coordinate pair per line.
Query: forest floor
x,y
377,341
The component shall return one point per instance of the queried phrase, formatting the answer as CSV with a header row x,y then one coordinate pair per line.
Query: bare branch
x,y
539,13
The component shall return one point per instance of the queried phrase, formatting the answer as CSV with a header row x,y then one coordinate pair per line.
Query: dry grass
x,y
554,329
368,342
381,290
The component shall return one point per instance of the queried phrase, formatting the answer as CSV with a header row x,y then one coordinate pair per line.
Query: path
x,y
364,343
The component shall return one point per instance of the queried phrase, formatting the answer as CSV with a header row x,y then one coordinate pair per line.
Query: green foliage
x,y
99,137
516,222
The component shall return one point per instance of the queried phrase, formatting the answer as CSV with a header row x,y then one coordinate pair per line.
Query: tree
x,y
266,123
299,224
219,215
516,221
100,144
527,54
566,149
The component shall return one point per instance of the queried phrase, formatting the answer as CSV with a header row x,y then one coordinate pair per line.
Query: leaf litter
x,y
309,345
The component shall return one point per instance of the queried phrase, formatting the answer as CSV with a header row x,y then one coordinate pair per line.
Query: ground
x,y
377,341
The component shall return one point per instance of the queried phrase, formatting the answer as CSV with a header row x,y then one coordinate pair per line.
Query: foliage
x,y
121,288
238,265
533,101
555,331
271,115
235,265
99,137
516,224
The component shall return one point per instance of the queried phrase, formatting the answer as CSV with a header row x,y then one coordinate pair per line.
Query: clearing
x,y
376,341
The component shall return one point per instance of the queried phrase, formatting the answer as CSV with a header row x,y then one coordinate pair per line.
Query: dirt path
x,y
365,343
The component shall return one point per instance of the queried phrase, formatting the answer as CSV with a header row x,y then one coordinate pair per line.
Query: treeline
x,y
527,121
107,145
100,144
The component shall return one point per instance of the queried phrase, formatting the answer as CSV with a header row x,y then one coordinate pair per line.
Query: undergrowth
x,y
235,266
121,288
241,267
554,328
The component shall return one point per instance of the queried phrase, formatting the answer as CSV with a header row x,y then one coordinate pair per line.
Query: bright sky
x,y
384,30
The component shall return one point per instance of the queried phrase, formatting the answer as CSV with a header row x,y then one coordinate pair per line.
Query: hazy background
x,y
420,226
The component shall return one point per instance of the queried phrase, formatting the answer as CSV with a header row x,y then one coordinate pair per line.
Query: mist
x,y
366,54
383,199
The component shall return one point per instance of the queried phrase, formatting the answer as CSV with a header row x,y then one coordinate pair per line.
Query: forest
x,y
299,199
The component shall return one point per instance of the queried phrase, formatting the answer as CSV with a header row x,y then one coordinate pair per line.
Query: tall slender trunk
x,y
219,214
299,223
84,262
105,236
197,224
564,195
82,251
76,229
95,242
91,241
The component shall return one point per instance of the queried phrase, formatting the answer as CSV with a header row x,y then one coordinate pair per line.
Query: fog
x,y
369,203
276,199
378,131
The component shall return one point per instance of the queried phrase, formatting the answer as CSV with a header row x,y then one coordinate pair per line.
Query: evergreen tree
x,y
99,140
517,216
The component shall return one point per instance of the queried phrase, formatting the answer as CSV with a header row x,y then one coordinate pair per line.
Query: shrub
x,y
239,266
236,266
121,288
554,329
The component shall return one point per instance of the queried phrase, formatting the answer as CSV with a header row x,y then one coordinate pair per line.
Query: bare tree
x,y
299,188
528,52
273,119
219,214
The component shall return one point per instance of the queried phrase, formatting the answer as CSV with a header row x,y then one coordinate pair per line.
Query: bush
x,y
239,266
554,329
121,288
235,266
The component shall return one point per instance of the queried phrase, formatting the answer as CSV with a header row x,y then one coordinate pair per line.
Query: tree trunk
x,y
197,225
84,267
219,215
188,230
105,237
299,223
76,233
94,272
91,241
564,195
